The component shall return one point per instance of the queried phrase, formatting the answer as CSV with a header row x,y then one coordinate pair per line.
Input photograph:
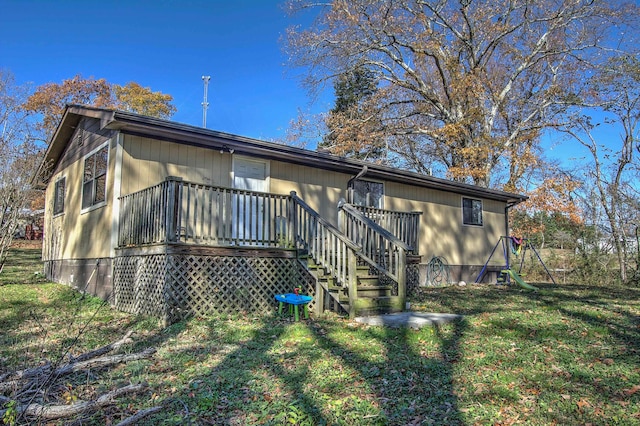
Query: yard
x,y
569,354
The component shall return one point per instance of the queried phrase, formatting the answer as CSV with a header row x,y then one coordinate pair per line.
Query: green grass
x,y
565,355
23,266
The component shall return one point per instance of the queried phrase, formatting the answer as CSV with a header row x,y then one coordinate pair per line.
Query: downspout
x,y
361,173
506,217
506,231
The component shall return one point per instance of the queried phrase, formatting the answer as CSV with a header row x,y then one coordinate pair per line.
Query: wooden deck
x,y
187,248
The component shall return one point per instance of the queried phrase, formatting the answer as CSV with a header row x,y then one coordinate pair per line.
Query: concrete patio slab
x,y
414,320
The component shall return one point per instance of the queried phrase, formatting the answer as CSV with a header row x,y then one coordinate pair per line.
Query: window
x,y
471,212
94,183
58,196
367,193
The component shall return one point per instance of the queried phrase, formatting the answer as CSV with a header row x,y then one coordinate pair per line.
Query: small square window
x,y
58,196
471,212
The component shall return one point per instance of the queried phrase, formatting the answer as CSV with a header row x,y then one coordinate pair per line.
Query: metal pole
x,y
205,104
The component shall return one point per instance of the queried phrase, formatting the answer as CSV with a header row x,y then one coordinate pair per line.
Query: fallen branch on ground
x,y
46,372
139,416
105,349
34,372
52,412
37,390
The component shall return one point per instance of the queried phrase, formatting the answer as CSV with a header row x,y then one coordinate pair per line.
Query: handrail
x,y
385,250
299,201
384,211
372,224
325,243
403,225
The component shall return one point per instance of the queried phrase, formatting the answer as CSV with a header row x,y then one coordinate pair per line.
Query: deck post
x,y
342,218
292,227
402,276
171,212
319,302
353,282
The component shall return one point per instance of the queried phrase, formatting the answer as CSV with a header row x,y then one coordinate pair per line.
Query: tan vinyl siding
x,y
75,234
441,230
146,162
321,189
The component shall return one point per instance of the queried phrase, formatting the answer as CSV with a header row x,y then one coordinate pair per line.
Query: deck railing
x,y
339,252
143,216
175,211
183,212
379,247
324,242
403,225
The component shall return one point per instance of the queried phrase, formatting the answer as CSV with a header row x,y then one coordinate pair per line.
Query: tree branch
x,y
52,412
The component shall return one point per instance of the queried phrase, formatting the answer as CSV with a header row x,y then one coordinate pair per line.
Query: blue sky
x,y
167,45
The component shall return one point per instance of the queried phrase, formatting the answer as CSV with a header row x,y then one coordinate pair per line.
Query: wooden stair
x,y
373,298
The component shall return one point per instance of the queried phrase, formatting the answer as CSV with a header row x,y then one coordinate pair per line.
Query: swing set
x,y
519,247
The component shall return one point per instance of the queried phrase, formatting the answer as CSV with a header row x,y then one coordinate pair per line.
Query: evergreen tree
x,y
353,124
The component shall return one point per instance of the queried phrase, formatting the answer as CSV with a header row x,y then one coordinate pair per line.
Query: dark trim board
x,y
134,124
95,276
202,250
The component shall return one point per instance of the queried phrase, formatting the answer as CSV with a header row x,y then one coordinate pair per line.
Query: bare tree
x,y
467,85
613,171
18,159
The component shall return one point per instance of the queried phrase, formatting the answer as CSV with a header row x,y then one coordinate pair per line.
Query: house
x,y
173,220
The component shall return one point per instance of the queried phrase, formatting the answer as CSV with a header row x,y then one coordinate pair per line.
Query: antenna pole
x,y
205,104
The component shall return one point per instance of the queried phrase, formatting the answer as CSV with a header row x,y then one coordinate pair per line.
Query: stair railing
x,y
381,248
328,247
403,225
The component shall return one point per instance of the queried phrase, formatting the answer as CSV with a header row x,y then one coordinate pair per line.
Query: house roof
x,y
141,125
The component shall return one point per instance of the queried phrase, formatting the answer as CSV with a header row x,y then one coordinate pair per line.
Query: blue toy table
x,y
294,300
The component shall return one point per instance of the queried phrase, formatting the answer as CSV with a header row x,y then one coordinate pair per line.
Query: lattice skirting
x,y
413,278
173,286
139,284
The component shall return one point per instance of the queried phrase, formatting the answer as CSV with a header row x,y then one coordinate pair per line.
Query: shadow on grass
x,y
23,266
218,374
580,345
410,387
608,308
314,373
46,322
603,310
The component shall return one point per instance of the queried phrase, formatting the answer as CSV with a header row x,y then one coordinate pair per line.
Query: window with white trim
x,y
58,195
471,212
367,193
94,182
